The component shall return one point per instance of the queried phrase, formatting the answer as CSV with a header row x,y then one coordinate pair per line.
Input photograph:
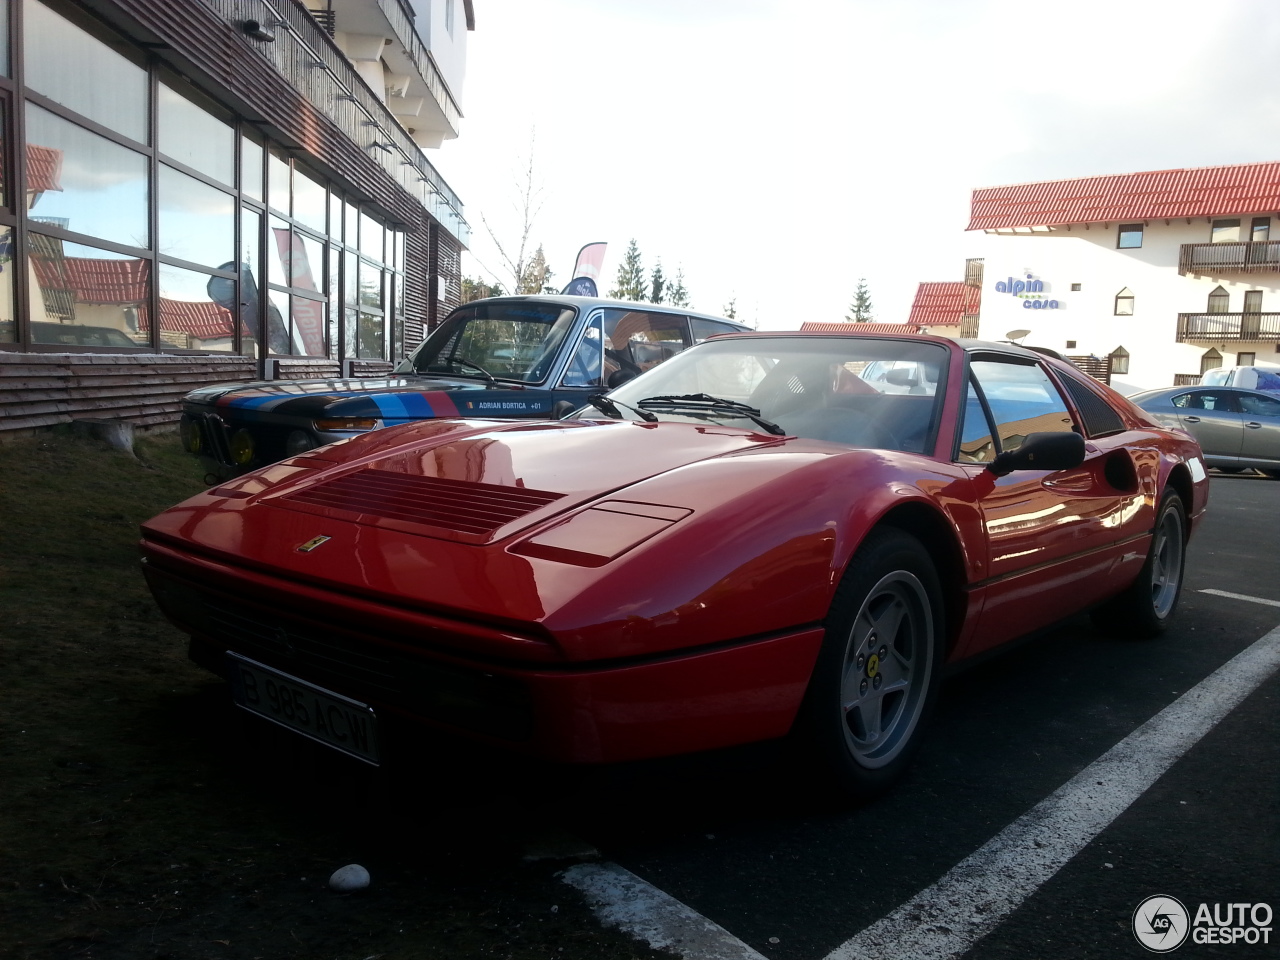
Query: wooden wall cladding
x,y
41,390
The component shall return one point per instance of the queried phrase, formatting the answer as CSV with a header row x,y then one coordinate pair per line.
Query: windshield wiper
x,y
463,362
702,401
610,407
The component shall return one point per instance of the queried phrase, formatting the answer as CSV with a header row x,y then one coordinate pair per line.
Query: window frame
x,y
1124,230
1125,296
971,379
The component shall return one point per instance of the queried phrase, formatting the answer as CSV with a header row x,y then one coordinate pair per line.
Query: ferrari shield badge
x,y
312,544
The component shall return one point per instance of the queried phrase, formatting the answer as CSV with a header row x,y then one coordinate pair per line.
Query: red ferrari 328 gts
x,y
770,534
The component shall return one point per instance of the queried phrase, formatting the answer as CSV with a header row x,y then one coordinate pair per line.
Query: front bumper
x,y
544,707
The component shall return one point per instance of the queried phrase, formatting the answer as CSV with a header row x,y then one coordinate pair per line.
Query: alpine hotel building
x,y
197,191
1165,274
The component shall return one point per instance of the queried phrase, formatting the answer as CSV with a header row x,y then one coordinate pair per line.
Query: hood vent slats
x,y
461,505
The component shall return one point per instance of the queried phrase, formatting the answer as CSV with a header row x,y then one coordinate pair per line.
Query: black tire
x,y
1145,608
1230,469
878,671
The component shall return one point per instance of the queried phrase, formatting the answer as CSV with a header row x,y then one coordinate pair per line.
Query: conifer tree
x,y
629,284
730,309
860,309
676,293
657,284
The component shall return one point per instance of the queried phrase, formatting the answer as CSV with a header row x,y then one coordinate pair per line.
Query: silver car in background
x,y
1237,429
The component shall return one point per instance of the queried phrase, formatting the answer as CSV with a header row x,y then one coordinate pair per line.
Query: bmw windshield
x,y
503,341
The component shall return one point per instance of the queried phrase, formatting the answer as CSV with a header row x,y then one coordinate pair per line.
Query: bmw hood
x,y
394,399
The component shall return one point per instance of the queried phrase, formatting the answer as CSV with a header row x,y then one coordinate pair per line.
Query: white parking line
x,y
621,899
1242,596
977,894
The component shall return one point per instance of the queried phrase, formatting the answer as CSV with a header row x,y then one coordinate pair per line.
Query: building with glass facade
x,y
214,190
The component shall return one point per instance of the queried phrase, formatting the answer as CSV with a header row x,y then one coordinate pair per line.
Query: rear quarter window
x,y
1098,417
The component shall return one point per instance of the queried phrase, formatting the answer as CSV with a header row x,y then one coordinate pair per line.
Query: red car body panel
x,y
649,588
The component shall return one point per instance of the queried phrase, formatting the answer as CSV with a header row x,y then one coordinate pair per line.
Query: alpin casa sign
x,y
1030,291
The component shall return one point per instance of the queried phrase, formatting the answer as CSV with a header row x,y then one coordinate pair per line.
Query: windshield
x,y
508,341
859,392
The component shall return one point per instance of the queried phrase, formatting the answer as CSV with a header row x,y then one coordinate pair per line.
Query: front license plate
x,y
329,718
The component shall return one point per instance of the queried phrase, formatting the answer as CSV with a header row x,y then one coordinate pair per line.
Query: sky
x,y
777,151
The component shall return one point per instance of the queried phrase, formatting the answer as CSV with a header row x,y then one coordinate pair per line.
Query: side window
x,y
976,445
708,328
1221,400
1022,400
588,360
1256,406
636,341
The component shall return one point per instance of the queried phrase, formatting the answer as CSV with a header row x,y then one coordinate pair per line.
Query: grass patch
x,y
141,816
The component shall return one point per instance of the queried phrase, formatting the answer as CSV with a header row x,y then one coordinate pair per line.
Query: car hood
x,y
392,399
478,483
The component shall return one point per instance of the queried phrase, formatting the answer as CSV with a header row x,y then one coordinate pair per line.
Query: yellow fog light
x,y
346,423
242,448
190,434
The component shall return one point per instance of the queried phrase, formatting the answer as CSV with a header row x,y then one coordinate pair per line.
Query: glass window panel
x,y
277,181
192,135
278,322
4,37
1260,230
1022,401
370,337
279,252
195,310
309,201
335,304
335,216
351,216
197,221
82,73
8,325
4,126
1130,236
351,323
1225,231
83,182
371,237
308,327
84,296
250,281
370,286
401,252
349,286
251,168
308,262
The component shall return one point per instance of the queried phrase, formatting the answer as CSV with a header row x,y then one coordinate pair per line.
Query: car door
x,y
1051,536
1213,418
1261,418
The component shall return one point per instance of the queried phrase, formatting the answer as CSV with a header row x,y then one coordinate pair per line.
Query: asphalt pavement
x,y
733,836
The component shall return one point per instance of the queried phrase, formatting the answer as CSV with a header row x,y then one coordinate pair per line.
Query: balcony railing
x,y
1186,379
1097,367
1213,327
1244,257
969,325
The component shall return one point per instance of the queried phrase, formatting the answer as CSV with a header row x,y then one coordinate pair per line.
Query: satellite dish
x,y
1016,335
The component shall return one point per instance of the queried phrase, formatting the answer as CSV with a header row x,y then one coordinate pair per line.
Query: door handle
x,y
1253,425
1191,419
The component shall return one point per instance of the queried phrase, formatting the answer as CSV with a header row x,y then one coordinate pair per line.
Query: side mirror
x,y
1041,451
562,408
